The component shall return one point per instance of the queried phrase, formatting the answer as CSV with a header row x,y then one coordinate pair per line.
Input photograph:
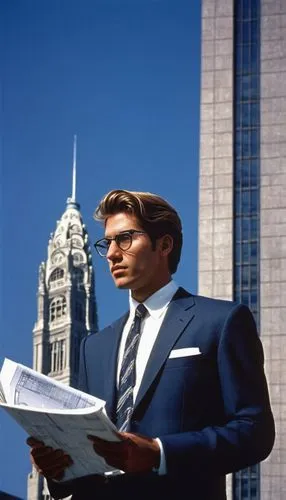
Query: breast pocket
x,y
184,361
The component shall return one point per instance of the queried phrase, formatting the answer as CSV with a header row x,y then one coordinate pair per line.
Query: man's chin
x,y
122,283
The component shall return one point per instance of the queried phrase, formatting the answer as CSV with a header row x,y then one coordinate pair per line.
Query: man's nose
x,y
113,251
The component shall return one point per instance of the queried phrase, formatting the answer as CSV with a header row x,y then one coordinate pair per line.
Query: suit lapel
x,y
178,316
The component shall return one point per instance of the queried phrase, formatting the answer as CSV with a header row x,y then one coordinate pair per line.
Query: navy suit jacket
x,y
211,411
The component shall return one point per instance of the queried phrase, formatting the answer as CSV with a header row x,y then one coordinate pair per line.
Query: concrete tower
x,y
242,230
66,307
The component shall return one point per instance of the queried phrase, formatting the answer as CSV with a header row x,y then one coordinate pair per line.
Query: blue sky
x,y
124,76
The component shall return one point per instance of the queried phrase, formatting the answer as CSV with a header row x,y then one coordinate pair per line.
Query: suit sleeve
x,y
247,435
60,489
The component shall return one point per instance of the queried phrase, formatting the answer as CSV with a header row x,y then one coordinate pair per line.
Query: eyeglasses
x,y
123,241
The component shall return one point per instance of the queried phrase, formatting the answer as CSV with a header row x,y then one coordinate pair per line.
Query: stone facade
x,y
215,269
273,234
216,164
216,196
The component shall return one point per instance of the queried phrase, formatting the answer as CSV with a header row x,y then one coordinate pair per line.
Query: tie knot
x,y
141,311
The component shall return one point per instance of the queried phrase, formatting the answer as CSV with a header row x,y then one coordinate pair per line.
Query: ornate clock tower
x,y
66,307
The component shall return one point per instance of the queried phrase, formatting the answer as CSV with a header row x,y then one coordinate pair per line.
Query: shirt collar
x,y
156,303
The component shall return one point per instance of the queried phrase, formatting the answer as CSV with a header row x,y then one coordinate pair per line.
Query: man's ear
x,y
166,244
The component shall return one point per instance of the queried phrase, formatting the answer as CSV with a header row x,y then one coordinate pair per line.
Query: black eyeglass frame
x,y
116,238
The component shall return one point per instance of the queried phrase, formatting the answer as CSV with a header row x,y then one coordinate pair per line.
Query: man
x,y
182,375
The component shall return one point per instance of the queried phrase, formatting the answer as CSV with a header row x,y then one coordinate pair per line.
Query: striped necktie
x,y
127,376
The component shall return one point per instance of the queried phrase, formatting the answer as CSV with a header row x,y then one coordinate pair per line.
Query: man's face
x,y
140,267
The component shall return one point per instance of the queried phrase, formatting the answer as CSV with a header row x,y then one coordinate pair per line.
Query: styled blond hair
x,y
154,214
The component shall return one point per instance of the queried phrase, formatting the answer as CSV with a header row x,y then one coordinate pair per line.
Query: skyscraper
x,y
66,307
242,216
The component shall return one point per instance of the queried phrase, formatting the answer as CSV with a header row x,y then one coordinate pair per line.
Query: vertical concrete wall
x,y
273,234
216,145
216,155
216,196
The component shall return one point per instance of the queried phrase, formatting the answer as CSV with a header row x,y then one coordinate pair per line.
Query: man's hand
x,y
134,453
49,462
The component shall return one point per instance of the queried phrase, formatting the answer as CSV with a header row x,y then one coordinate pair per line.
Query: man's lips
x,y
117,269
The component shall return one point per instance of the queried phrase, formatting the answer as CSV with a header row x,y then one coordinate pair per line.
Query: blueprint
x,y
60,416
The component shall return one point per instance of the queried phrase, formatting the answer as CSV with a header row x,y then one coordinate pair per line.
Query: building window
x,y
77,258
75,229
58,355
246,483
57,274
57,259
78,276
58,308
77,242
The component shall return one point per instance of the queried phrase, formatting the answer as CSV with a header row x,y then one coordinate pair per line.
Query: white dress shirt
x,y
156,306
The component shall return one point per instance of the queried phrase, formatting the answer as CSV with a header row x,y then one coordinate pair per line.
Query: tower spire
x,y
71,201
73,196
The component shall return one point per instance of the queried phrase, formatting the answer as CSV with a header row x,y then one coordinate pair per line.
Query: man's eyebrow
x,y
120,232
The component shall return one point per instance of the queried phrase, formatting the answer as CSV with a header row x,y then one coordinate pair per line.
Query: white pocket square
x,y
185,351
